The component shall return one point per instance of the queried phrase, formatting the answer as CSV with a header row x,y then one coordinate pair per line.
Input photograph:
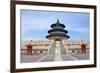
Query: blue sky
x,y
35,24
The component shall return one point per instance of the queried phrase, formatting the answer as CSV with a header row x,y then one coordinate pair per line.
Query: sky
x,y
35,24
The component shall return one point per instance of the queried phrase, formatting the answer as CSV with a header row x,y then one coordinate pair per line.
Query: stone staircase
x,y
63,51
57,51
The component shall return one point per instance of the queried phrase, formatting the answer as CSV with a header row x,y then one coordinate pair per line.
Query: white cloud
x,y
36,25
80,29
32,38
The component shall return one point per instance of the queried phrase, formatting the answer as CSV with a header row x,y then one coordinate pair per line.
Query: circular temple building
x,y
57,32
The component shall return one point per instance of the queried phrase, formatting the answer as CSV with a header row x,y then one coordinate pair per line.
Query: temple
x,y
57,47
57,32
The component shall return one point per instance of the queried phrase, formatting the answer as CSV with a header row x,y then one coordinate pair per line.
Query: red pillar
x,y
29,49
83,48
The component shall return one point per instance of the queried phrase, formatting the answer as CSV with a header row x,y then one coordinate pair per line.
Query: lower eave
x,y
66,36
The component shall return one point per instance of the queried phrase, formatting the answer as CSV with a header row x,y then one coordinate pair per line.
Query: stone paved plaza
x,y
51,58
